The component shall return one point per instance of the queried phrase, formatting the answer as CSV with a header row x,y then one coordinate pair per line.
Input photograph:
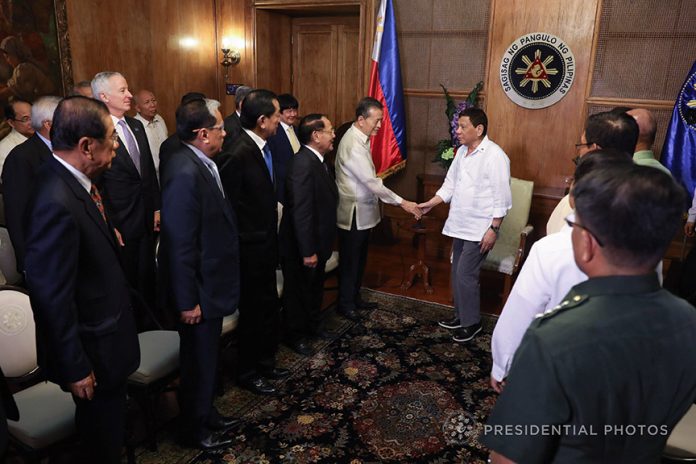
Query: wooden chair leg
x,y
507,287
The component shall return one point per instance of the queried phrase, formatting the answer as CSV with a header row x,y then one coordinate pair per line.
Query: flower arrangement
x,y
447,148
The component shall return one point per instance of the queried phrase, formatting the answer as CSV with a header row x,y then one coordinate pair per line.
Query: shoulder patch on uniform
x,y
571,301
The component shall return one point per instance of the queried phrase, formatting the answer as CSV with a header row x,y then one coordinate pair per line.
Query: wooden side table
x,y
420,230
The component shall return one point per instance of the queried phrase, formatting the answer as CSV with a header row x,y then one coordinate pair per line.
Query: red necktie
x,y
94,193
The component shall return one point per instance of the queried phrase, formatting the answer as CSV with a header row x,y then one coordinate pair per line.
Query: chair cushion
x,y
159,356
501,259
331,263
46,415
17,333
681,442
229,323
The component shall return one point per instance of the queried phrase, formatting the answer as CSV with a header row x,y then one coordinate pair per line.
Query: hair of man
x,y
365,105
42,110
633,210
194,115
308,125
477,117
76,117
612,130
258,103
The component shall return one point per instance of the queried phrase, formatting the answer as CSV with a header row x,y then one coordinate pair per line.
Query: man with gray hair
x,y
130,189
83,88
199,263
20,169
233,125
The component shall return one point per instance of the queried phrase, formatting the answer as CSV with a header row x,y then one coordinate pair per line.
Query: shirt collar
x,y
481,148
201,156
619,285
45,140
285,126
365,139
643,154
155,120
81,177
321,158
257,140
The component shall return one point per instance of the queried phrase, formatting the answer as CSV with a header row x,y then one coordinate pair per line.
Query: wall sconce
x,y
230,56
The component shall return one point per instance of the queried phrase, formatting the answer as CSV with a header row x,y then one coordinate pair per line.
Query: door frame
x,y
367,10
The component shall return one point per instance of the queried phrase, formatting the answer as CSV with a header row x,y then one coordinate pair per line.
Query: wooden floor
x,y
390,258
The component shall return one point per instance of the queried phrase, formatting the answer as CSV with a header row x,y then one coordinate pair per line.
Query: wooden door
x,y
325,66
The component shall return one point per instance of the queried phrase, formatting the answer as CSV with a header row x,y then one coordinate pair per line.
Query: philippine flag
x,y
389,145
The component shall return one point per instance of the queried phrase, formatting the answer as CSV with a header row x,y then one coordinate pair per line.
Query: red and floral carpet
x,y
393,388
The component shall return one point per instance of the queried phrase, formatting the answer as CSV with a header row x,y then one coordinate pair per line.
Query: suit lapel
x,y
212,184
321,170
257,155
81,194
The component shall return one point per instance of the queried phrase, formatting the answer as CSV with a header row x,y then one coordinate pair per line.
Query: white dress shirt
x,y
12,139
548,274
156,131
81,177
359,188
208,163
478,187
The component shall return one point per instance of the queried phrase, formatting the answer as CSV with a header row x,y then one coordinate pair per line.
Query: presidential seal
x,y
537,70
687,102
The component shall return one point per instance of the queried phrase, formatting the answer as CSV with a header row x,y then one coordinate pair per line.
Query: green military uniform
x,y
603,377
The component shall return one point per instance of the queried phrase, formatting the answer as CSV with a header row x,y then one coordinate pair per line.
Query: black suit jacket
x,y
282,152
199,248
249,188
169,146
18,176
233,129
78,290
309,213
131,198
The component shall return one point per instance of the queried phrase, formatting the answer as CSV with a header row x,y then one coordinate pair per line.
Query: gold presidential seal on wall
x,y
537,70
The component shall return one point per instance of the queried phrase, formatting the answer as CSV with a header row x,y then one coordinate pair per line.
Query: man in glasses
x,y
611,130
199,263
18,116
607,374
86,336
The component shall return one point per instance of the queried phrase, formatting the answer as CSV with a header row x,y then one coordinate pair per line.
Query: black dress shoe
x,y
301,347
451,324
349,314
275,373
366,305
258,385
222,422
466,334
208,442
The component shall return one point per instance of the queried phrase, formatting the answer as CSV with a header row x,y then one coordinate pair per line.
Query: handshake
x,y
418,210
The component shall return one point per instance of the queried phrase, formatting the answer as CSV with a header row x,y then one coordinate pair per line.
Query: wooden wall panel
x,y
540,143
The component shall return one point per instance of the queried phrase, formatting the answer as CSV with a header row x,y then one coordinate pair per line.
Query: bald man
x,y
647,128
155,128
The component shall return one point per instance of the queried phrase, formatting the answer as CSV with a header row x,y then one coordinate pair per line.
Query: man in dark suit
x,y
200,263
247,176
20,169
86,336
307,231
131,191
284,143
233,125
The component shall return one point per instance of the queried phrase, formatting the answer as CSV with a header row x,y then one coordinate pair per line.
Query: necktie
x,y
216,175
131,144
293,140
268,159
96,197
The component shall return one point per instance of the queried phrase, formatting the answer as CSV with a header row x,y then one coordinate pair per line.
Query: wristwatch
x,y
495,229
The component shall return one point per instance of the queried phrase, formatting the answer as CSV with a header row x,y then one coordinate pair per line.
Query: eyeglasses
x,y
113,137
220,127
25,119
575,224
328,131
578,145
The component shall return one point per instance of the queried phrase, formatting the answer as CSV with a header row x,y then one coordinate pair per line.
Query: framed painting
x,y
35,49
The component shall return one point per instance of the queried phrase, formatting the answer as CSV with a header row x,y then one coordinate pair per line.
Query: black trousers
x,y
139,265
198,356
352,250
101,424
259,318
303,290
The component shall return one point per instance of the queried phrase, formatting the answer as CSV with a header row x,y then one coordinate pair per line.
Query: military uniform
x,y
603,377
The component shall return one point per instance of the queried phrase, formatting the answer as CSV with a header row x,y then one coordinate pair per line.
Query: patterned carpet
x,y
393,388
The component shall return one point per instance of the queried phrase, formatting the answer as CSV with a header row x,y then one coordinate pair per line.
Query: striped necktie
x,y
96,197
